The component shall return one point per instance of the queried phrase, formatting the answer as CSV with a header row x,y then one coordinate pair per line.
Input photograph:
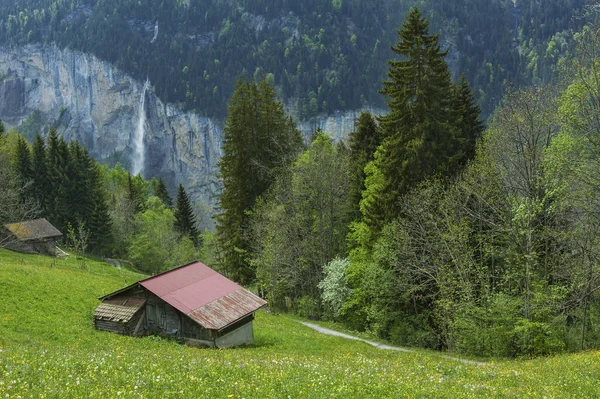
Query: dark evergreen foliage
x,y
418,128
24,169
185,220
423,135
323,55
162,193
259,141
468,120
67,183
134,196
363,143
41,188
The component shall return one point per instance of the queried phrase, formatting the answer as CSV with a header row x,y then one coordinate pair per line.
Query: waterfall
x,y
156,32
137,161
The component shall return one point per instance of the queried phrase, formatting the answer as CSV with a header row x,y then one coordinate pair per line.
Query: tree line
x,y
100,211
423,227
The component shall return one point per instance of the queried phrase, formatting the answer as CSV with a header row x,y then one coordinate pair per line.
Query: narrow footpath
x,y
327,331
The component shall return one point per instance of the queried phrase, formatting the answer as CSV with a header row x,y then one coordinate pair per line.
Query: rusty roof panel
x,y
120,309
33,229
227,309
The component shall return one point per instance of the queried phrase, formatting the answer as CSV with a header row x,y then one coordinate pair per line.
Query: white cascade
x,y
137,158
156,31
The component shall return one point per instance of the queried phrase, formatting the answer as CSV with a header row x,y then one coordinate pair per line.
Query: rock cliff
x,y
89,100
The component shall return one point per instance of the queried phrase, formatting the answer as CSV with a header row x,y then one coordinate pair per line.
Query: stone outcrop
x,y
89,100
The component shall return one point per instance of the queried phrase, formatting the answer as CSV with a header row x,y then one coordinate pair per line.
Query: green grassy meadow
x,y
49,349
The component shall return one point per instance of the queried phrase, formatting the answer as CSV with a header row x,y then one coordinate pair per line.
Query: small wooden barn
x,y
192,303
32,237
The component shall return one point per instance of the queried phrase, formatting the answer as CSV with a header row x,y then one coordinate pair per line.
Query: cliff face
x,y
337,125
88,100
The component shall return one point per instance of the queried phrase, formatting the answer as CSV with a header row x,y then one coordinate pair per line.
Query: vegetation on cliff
x,y
322,55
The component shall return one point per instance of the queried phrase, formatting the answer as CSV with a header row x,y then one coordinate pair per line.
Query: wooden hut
x,y
192,303
32,237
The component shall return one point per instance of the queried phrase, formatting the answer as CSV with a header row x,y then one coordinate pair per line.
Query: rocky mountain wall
x,y
89,100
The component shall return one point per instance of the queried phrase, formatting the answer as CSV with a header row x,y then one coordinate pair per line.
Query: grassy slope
x,y
48,348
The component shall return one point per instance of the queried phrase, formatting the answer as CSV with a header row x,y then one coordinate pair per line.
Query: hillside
x,y
48,348
323,55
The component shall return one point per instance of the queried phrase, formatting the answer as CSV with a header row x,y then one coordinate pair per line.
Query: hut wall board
x,y
162,318
43,247
126,328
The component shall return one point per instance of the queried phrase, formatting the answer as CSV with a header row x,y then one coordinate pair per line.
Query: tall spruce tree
x,y
468,122
363,143
163,194
185,220
98,220
40,173
421,138
24,169
2,132
134,196
55,163
259,141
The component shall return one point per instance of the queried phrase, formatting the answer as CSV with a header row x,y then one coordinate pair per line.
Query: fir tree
x,y
99,221
162,193
63,212
468,122
259,141
363,142
54,166
2,132
40,174
24,169
134,195
185,220
420,136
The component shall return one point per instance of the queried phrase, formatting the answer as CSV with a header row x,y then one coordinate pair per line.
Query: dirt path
x,y
327,331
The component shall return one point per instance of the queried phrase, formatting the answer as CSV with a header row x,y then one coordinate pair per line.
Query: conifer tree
x,y
420,134
363,142
63,186
134,195
185,220
162,193
468,122
40,174
54,164
99,221
24,169
1,129
259,141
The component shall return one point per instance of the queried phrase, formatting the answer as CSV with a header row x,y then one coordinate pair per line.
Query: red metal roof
x,y
209,298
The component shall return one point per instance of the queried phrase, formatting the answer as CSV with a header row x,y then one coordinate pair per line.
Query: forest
x,y
425,227
101,211
321,55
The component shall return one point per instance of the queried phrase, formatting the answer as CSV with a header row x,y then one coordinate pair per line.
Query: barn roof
x,y
120,309
207,297
33,230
